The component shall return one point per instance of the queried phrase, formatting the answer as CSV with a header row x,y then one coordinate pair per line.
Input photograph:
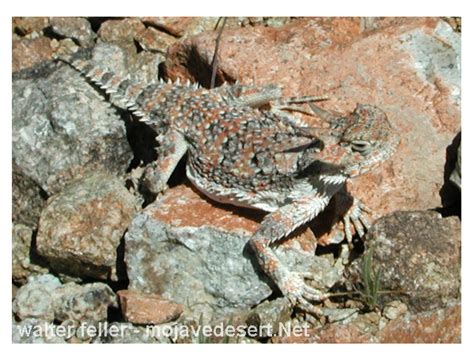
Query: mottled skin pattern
x,y
242,154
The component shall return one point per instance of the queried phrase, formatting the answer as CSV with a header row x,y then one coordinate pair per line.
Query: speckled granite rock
x,y
45,298
121,32
141,308
81,303
33,330
440,326
25,262
151,39
124,333
27,199
75,28
419,253
62,128
81,227
36,298
30,52
29,24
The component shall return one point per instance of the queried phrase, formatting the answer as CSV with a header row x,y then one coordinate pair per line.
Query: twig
x,y
351,293
216,49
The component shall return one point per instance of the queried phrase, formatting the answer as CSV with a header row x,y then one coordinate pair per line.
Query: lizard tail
x,y
122,90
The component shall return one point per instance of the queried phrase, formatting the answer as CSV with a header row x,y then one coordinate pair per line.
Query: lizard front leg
x,y
172,148
278,225
349,216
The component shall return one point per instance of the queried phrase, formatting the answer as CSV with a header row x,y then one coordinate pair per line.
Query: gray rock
x,y
124,333
455,176
27,201
141,67
269,316
437,57
204,268
25,262
63,128
417,253
110,57
36,298
154,40
121,32
45,298
394,310
340,315
78,29
81,227
80,303
190,252
32,330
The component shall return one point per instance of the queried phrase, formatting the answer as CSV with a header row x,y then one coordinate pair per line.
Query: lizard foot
x,y
356,216
299,293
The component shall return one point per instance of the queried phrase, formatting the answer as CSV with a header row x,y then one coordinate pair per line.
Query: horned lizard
x,y
243,153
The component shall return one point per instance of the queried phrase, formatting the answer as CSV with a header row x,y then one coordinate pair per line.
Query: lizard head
x,y
368,140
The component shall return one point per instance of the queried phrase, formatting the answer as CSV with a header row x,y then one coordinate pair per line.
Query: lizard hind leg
x,y
172,148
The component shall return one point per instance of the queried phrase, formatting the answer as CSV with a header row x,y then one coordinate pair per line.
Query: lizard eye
x,y
360,146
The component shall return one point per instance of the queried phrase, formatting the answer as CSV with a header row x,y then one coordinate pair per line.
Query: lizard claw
x,y
356,217
300,294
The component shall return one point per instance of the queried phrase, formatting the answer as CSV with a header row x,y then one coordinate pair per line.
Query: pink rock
x,y
141,308
408,67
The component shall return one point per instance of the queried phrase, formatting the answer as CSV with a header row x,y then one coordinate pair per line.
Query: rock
x,y
27,199
151,39
30,24
25,262
455,176
81,303
368,323
119,53
36,298
111,57
341,315
269,316
394,310
439,326
145,66
409,67
142,67
185,27
122,33
29,52
188,250
81,227
139,308
78,29
45,298
124,333
182,26
62,128
418,253
32,330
